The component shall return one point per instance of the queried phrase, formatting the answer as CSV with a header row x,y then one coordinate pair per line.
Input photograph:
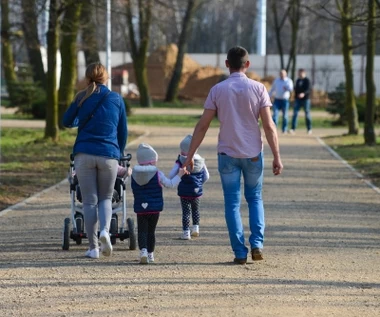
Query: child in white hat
x,y
190,189
147,182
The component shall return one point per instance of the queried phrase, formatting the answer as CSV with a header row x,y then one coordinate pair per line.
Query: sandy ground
x,y
322,249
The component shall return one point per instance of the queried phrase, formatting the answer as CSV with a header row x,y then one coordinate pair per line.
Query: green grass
x,y
16,116
366,159
168,120
30,164
163,104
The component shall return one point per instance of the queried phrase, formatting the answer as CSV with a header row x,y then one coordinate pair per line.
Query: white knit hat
x,y
185,144
146,154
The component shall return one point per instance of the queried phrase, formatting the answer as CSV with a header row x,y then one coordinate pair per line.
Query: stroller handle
x,y
127,157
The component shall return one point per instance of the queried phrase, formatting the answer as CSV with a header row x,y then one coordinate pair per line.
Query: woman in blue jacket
x,y
101,119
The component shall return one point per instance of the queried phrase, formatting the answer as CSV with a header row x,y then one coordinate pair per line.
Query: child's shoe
x,y
186,235
105,243
93,254
143,256
150,257
195,231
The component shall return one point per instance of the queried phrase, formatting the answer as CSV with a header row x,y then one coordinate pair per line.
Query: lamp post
x,y
108,44
261,27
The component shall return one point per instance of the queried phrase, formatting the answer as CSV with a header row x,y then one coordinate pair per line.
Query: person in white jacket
x,y
281,89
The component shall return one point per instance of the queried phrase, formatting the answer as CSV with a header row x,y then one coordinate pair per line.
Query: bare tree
x,y
33,45
172,91
68,49
369,124
7,51
89,33
346,20
139,42
51,128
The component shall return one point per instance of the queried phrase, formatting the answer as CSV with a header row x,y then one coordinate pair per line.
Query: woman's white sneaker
x,y
143,256
93,254
105,243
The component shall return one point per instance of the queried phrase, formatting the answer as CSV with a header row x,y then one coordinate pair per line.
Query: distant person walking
x,y
302,90
281,89
239,102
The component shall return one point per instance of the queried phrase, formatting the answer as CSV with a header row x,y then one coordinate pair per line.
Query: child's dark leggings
x,y
146,226
190,207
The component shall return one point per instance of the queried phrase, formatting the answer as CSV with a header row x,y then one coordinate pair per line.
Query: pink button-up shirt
x,y
238,101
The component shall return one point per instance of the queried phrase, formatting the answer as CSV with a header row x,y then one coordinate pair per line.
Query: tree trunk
x,y
352,113
141,73
68,49
139,52
90,45
294,17
32,42
172,92
369,126
51,128
277,28
7,51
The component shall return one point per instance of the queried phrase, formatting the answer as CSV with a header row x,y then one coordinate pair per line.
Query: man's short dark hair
x,y
237,57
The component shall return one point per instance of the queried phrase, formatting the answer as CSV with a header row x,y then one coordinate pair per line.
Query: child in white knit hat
x,y
190,189
147,182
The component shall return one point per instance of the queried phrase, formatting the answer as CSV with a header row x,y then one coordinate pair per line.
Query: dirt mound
x,y
196,80
166,56
200,82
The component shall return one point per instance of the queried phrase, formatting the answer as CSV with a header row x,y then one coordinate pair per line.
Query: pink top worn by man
x,y
239,99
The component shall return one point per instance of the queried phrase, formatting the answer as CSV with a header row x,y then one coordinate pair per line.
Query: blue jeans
x,y
283,105
230,170
305,104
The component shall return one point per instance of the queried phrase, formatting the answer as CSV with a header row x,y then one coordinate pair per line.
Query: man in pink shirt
x,y
239,102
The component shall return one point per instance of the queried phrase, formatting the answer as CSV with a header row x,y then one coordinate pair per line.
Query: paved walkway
x,y
322,249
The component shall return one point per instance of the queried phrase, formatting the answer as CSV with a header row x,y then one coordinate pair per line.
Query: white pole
x,y
261,27
108,40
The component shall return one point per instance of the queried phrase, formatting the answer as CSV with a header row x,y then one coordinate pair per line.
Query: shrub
x,y
30,99
337,106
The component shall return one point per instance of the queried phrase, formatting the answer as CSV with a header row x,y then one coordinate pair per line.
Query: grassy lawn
x,y
366,159
163,104
168,120
190,121
30,164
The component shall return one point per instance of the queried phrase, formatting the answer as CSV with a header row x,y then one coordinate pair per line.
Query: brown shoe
x,y
240,261
257,254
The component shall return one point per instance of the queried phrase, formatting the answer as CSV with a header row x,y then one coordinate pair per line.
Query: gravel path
x,y
321,253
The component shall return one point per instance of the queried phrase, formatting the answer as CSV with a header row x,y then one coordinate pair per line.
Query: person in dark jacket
x,y
147,182
302,91
190,189
101,119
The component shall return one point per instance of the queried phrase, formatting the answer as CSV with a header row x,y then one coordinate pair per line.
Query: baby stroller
x,y
127,228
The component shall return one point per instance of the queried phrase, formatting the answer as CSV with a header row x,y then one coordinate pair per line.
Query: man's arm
x,y
271,136
198,135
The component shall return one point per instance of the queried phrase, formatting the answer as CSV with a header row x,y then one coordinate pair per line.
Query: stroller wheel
x,y
113,229
66,234
79,223
132,234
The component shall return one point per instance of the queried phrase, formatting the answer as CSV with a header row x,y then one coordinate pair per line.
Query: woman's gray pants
x,y
96,176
